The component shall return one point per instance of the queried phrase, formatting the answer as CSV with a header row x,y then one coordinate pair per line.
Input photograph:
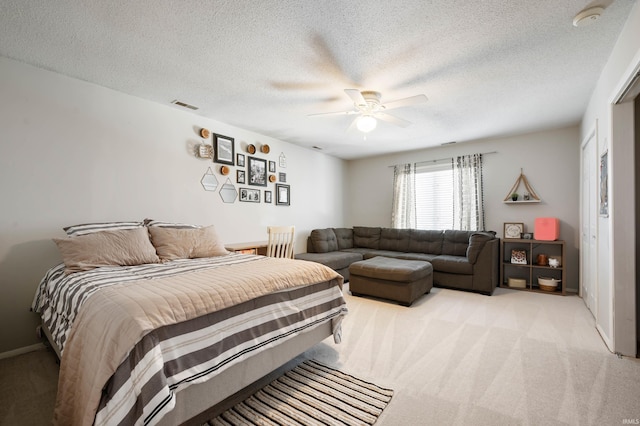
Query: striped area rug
x,y
310,394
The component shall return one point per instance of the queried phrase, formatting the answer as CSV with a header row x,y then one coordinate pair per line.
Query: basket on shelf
x,y
548,284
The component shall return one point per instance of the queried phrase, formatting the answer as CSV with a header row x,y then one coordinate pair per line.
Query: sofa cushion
x,y
334,260
345,237
425,241
324,240
452,264
366,237
476,244
394,239
455,242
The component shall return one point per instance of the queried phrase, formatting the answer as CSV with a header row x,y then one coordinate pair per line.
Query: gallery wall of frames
x,y
251,175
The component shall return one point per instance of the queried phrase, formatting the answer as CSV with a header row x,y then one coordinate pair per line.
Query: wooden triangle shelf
x,y
522,179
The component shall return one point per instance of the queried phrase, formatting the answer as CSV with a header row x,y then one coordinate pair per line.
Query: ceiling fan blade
x,y
392,119
356,96
412,100
350,112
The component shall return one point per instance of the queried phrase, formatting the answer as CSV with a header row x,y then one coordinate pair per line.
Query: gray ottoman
x,y
395,279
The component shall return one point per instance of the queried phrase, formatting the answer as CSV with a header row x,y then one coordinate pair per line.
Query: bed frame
x,y
203,401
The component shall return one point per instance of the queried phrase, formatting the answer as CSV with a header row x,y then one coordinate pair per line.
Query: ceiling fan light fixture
x,y
366,123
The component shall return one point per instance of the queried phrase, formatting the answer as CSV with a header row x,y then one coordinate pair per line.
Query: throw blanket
x,y
112,320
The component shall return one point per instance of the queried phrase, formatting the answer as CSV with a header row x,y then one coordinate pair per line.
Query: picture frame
x,y
224,149
272,166
240,160
257,168
283,195
249,195
519,257
241,176
282,177
513,230
527,236
604,184
267,197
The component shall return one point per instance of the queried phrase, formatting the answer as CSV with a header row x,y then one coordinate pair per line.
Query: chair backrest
x,y
280,242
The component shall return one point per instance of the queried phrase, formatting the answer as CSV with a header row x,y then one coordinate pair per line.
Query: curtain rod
x,y
439,159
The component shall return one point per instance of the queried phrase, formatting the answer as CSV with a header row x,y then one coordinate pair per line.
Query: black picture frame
x,y
241,176
257,168
267,197
283,195
272,166
224,149
240,160
282,177
249,195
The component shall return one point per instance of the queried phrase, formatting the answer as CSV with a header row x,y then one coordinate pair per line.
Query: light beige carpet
x,y
452,358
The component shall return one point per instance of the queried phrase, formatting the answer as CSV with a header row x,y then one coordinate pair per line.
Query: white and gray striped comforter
x,y
142,389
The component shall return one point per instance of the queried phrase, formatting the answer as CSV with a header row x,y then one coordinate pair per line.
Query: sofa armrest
x,y
486,269
477,241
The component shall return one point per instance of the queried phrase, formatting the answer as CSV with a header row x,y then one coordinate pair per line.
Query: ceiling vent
x,y
183,104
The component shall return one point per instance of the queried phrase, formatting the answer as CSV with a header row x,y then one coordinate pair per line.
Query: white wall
x,y
73,152
616,233
549,159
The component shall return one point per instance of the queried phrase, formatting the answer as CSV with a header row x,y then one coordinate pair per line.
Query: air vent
x,y
317,147
183,104
448,143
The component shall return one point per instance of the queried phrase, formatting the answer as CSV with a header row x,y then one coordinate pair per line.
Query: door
x,y
589,214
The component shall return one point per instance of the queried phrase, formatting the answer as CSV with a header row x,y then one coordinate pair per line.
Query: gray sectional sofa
x,y
465,260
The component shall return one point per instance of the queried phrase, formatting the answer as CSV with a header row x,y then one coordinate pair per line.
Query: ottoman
x,y
389,278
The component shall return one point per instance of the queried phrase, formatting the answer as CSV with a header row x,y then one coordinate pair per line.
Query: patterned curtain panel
x,y
403,214
468,198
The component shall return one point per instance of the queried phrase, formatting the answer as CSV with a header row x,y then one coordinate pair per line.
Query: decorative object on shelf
x,y
205,133
542,259
205,151
251,149
546,228
548,284
513,230
604,184
209,181
527,236
526,196
224,170
283,160
257,171
272,166
265,149
240,160
272,178
555,261
224,149
267,197
228,192
531,194
283,195
519,256
282,177
240,176
250,195
517,282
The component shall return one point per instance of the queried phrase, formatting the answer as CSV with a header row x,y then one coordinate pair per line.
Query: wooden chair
x,y
280,242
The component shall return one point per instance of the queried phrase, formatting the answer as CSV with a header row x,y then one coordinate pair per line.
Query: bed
x,y
160,342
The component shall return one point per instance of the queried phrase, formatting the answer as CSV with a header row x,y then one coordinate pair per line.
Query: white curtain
x,y
403,214
468,198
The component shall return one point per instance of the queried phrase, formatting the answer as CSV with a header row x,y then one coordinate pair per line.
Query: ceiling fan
x,y
368,107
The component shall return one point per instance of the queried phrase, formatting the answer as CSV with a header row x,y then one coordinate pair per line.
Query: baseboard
x,y
22,350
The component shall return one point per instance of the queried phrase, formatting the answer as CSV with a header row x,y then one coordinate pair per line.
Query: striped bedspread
x,y
207,315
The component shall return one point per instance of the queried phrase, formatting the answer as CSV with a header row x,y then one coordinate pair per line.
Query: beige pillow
x,y
176,243
106,248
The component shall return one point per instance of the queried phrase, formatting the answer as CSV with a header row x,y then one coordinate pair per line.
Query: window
x,y
439,195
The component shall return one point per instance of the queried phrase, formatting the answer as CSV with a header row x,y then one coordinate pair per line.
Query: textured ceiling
x,y
489,68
